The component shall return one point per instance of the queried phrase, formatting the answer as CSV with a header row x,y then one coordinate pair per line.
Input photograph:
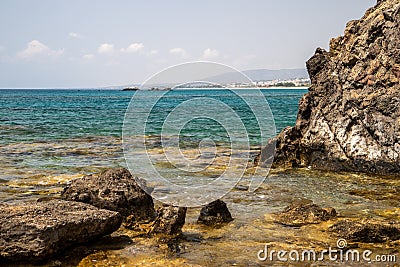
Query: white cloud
x,y
179,51
2,48
88,56
35,47
105,48
133,48
76,35
210,53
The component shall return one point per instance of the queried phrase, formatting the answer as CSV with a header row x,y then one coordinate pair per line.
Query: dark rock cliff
x,y
350,118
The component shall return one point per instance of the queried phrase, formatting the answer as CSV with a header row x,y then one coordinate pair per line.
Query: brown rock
x,y
366,231
396,71
36,231
299,214
215,213
169,220
113,189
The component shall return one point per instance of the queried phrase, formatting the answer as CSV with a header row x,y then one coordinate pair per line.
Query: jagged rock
x,y
349,119
366,231
36,231
215,213
113,189
169,220
299,214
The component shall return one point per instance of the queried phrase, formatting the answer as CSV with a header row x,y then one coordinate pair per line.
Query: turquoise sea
x,y
44,115
56,132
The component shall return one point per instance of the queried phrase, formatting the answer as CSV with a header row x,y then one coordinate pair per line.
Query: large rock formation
x,y
113,189
350,118
36,231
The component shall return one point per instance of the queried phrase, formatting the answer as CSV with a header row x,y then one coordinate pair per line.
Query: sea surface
x,y
49,137
45,115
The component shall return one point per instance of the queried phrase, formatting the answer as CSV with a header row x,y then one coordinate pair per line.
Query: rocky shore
x,y
349,119
121,212
89,208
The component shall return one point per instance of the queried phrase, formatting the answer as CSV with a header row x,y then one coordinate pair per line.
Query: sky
x,y
96,43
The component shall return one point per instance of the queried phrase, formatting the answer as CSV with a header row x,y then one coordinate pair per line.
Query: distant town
x,y
297,82
287,83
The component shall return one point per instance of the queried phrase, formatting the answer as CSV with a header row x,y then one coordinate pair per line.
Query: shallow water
x,y
237,243
354,196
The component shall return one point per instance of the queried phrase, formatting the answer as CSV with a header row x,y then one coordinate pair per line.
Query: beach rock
x,y
350,118
113,189
37,231
169,220
299,214
215,213
366,231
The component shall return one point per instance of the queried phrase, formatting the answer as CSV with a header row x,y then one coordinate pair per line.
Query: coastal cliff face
x,y
350,118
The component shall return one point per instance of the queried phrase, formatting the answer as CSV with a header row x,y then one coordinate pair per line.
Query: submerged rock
x,y
169,220
299,214
349,119
215,213
366,231
36,231
113,189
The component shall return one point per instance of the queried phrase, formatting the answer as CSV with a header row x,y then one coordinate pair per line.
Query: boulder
x,y
366,231
349,119
169,220
299,214
37,231
215,213
113,189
